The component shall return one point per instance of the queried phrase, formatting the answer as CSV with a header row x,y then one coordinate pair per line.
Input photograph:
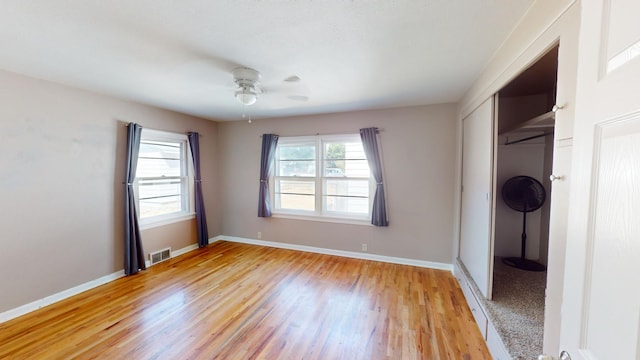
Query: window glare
x,y
358,188
298,202
156,207
297,152
160,149
296,187
158,167
347,205
159,188
297,168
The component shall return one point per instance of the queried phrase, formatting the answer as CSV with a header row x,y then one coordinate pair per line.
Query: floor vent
x,y
160,255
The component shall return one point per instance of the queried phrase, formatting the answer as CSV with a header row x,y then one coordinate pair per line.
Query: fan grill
x,y
523,193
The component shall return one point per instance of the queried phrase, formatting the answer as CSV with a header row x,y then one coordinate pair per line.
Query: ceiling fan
x,y
249,88
247,80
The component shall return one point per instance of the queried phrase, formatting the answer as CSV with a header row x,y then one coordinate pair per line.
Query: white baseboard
x,y
349,254
184,250
35,305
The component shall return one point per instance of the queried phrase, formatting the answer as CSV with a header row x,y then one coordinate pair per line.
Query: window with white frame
x,y
323,176
164,180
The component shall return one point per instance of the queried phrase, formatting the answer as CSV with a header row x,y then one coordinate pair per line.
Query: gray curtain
x,y
370,144
269,143
201,218
133,252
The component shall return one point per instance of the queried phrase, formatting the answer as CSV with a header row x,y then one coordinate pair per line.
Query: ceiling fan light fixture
x,y
246,96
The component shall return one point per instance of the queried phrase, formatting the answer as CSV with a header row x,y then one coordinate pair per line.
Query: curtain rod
x,y
175,132
378,130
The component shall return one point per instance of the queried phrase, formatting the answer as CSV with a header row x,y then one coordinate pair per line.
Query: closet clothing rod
x,y
525,139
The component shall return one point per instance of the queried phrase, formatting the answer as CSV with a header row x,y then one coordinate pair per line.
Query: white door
x,y
601,299
476,224
562,152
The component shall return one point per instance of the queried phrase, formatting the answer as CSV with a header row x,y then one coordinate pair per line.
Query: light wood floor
x,y
235,301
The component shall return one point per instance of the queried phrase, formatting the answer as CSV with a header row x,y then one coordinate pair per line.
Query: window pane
x,y
158,167
160,158
359,188
295,187
349,196
296,168
296,160
334,154
347,204
160,206
160,149
297,152
159,196
295,195
333,166
298,202
348,168
345,159
148,188
344,150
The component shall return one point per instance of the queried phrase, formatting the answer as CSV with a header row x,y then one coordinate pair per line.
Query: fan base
x,y
524,264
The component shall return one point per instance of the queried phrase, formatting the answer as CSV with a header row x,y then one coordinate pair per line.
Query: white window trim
x,y
319,215
322,218
166,219
162,220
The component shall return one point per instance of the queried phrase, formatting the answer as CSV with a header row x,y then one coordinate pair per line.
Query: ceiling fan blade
x,y
298,98
290,90
206,67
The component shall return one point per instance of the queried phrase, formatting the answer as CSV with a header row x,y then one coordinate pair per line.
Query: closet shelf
x,y
542,122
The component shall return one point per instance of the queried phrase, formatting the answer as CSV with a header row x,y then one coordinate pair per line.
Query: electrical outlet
x,y
259,235
364,247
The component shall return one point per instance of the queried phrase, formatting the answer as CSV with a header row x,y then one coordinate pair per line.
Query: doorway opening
x,y
525,143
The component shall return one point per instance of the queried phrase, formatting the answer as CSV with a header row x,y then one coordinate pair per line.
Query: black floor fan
x,y
524,194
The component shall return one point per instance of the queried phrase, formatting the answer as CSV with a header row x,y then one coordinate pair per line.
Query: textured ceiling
x,y
349,55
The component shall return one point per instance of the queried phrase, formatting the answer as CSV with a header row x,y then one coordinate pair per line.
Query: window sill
x,y
146,225
350,221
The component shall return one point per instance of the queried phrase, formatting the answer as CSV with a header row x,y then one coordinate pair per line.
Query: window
x,y
164,180
322,176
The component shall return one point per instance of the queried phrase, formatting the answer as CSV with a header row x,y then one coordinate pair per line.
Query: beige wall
x,y
61,174
176,236
418,151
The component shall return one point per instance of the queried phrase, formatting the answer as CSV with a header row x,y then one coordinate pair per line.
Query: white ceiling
x,y
350,55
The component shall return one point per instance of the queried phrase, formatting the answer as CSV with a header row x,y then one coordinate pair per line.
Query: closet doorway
x,y
524,163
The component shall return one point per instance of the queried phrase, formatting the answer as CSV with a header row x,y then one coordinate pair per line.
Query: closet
x,y
526,122
524,161
512,134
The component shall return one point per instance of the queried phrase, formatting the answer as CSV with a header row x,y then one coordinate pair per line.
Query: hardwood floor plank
x,y
237,301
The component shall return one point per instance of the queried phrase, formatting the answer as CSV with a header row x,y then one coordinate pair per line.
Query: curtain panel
x,y
370,144
201,217
133,251
269,143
